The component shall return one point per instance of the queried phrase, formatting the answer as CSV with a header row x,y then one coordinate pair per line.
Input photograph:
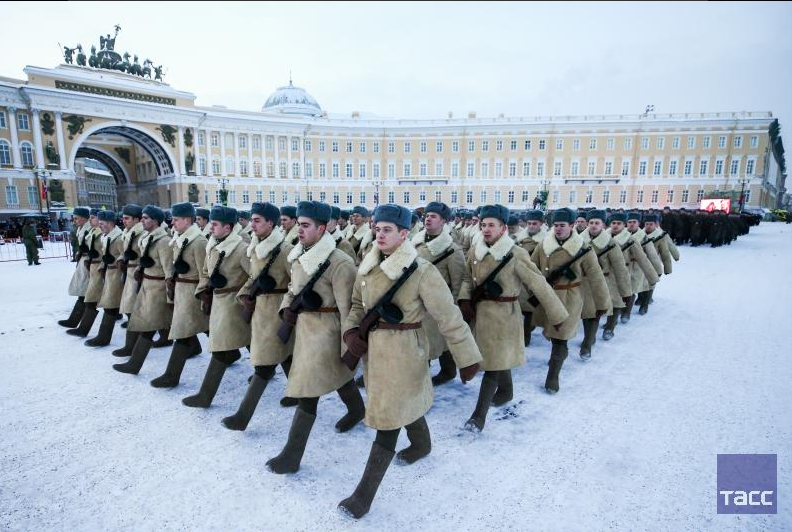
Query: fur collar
x,y
394,265
291,234
311,259
337,234
264,247
349,230
153,236
360,233
655,235
639,236
571,246
498,250
417,228
207,231
129,234
600,242
621,238
368,238
82,232
112,235
93,235
436,246
459,226
522,235
189,234
228,245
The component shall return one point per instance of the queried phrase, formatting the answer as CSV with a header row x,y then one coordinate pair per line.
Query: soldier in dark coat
x,y
31,243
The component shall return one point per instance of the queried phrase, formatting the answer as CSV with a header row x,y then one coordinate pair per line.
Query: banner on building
x,y
716,204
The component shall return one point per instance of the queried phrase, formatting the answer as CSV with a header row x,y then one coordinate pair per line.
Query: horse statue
x,y
80,55
158,73
146,70
67,54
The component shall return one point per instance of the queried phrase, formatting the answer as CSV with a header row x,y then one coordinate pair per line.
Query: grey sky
x,y
423,60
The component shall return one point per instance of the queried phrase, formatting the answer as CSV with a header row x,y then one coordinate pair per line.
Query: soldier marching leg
x,y
211,382
139,354
356,409
105,333
76,313
86,322
645,299
129,343
382,450
420,442
627,310
610,324
489,385
256,386
505,391
183,349
589,337
289,459
286,367
527,328
448,369
163,340
557,356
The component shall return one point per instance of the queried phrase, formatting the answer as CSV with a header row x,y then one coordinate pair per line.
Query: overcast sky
x,y
423,60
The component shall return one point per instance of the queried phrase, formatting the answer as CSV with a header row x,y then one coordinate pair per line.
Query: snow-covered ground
x,y
629,443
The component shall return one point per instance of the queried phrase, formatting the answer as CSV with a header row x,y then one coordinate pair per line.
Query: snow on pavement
x,y
629,443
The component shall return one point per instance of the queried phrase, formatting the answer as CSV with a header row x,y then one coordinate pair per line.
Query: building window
x,y
719,167
527,145
469,196
608,168
285,196
201,137
348,147
685,195
555,197
754,141
639,199
348,170
335,146
422,169
391,197
471,145
471,167
232,198
559,144
589,196
574,168
322,196
540,167
245,197
512,145
660,143
423,146
572,197
526,169
229,166
322,146
270,169
735,167
483,196
308,169
670,196
362,198
282,170
391,170
706,142
362,147
454,196
256,142
438,168
391,147
206,197
484,145
592,167
32,196
242,142
593,144
703,167
307,145
557,168
455,146
644,143
336,199
422,196
498,145
524,196
497,196
216,166
628,143
454,169
5,153
672,168
688,167
699,195
484,169
215,139
407,147
376,170
511,196
512,169
295,144
691,142
747,196
407,169
576,145
439,146
336,170
26,151
498,169
362,170
606,196
658,167
376,147
623,196
738,142
243,167
642,168
202,166
749,167
22,121
259,196
609,145
654,196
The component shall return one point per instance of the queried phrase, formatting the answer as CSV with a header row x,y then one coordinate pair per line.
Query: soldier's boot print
x,y
76,313
86,322
447,371
182,350
139,354
163,341
356,408
211,382
558,354
505,391
358,504
627,310
255,389
420,442
286,367
129,343
288,461
105,333
610,324
589,337
489,384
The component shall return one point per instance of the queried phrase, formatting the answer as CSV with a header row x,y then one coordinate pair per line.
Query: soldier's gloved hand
x,y
469,372
357,346
600,313
557,326
205,296
468,311
170,284
248,302
289,316
627,300
122,267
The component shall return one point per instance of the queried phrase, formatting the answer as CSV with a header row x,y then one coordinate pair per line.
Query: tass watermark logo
x,y
747,484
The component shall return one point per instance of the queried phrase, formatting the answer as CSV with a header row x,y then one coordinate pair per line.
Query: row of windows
x,y
25,152
484,145
23,122
12,198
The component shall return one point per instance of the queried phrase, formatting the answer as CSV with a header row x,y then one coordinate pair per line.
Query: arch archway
x,y
109,160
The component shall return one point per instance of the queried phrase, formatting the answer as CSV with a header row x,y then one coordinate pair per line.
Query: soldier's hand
x,y
600,313
357,346
468,311
248,302
289,316
627,300
557,326
469,372
205,297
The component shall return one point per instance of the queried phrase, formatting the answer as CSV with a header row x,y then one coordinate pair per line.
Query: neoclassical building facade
x,y
162,148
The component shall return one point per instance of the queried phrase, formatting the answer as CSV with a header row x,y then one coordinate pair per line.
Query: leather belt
x,y
190,281
502,299
153,277
227,290
385,326
274,291
323,310
110,267
566,286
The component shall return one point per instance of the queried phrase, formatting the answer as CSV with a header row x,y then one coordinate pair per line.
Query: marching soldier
x,y
611,261
130,217
565,260
202,221
315,306
641,270
435,245
359,222
497,270
343,222
513,226
459,225
79,281
152,311
188,253
225,271
337,233
261,296
288,223
31,243
399,389
639,236
244,221
95,281
665,248
110,300
471,233
535,231
367,244
581,222
415,228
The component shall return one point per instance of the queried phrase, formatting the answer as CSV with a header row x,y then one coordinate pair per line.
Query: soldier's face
x,y
331,226
221,229
433,223
492,229
356,219
632,225
389,236
581,224
129,222
106,227
243,222
79,220
562,230
616,227
513,229
182,223
94,221
595,226
342,223
201,221
261,226
309,231
534,226
149,224
287,222
650,226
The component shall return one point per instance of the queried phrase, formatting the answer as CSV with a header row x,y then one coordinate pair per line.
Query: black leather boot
x,y
489,384
420,442
211,382
86,322
105,329
505,391
448,369
74,318
557,356
356,409
129,343
358,504
139,354
288,461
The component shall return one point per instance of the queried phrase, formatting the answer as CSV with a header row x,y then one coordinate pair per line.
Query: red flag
x,y
44,191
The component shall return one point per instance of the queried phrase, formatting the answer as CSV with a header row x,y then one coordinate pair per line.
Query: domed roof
x,y
292,100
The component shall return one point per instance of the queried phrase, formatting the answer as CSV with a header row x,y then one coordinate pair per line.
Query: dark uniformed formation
x,y
302,288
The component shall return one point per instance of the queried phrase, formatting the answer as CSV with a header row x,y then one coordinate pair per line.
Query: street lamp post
x,y
377,183
743,182
223,192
